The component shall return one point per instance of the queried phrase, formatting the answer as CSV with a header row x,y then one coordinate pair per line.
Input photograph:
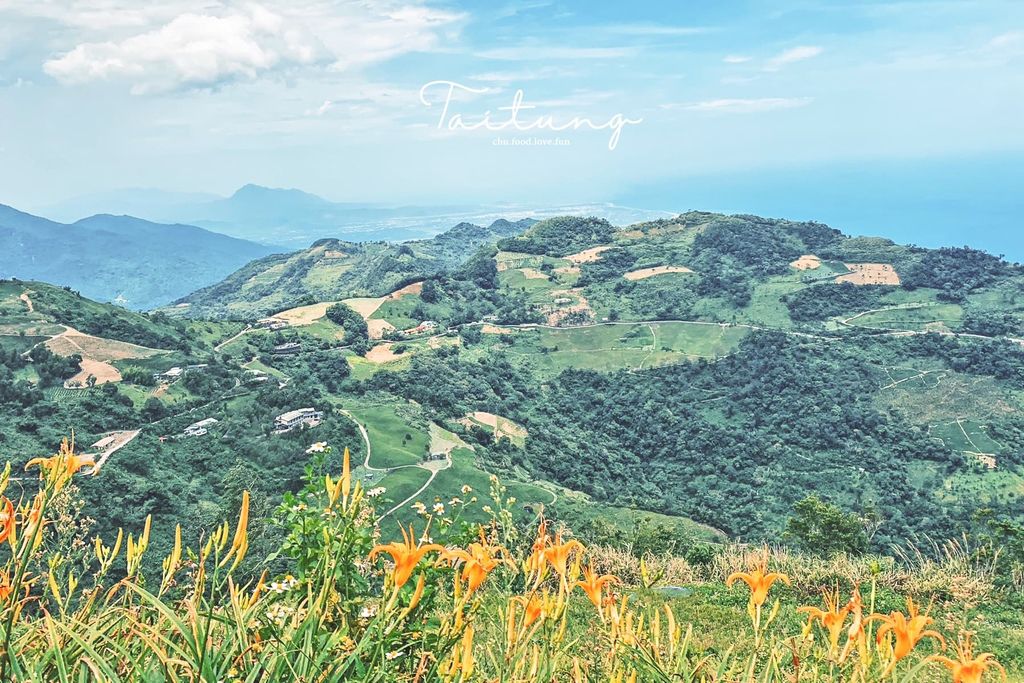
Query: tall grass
x,y
452,602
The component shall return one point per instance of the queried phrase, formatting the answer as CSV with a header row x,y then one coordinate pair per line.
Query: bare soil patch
x,y
806,262
382,353
656,270
97,354
501,426
496,329
870,274
305,315
71,341
377,327
28,302
414,288
365,306
568,270
588,255
103,372
334,253
563,311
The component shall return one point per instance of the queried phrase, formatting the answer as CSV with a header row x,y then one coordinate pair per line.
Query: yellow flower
x,y
759,581
831,618
406,555
592,584
908,630
967,668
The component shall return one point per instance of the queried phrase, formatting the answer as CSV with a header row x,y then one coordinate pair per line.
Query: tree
x,y
357,334
153,410
822,528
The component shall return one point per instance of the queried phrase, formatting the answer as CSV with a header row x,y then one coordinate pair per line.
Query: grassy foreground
x,y
456,602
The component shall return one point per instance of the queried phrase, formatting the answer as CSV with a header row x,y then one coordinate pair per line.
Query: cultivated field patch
x,y
501,427
305,315
644,273
806,262
383,353
870,274
377,327
414,288
97,355
497,329
588,255
365,306
567,302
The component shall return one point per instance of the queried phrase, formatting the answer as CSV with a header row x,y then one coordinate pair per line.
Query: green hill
x,y
332,270
707,372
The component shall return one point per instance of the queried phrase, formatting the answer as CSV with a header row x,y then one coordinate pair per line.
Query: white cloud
x,y
651,29
193,50
743,106
217,43
545,52
794,54
523,75
736,59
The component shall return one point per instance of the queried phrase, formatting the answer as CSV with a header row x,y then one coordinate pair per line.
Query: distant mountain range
x,y
296,219
119,258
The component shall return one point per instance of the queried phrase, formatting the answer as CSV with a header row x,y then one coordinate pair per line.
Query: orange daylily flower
x,y
64,464
908,631
592,585
478,561
557,554
5,586
855,636
7,519
831,618
967,668
759,580
405,554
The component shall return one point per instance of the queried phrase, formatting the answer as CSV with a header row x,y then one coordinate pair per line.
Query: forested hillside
x,y
708,373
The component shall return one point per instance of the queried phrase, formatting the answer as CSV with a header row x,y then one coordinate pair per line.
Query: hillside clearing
x,y
806,262
588,255
414,288
501,427
870,274
382,353
533,274
365,306
97,354
102,372
305,315
656,270
376,327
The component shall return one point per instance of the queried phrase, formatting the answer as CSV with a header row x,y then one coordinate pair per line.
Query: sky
x,y
328,96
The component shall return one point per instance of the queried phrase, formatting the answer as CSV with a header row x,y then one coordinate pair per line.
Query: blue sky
x,y
203,95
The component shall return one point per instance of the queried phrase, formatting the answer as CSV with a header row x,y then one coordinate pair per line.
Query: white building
x,y
200,428
302,417
172,375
